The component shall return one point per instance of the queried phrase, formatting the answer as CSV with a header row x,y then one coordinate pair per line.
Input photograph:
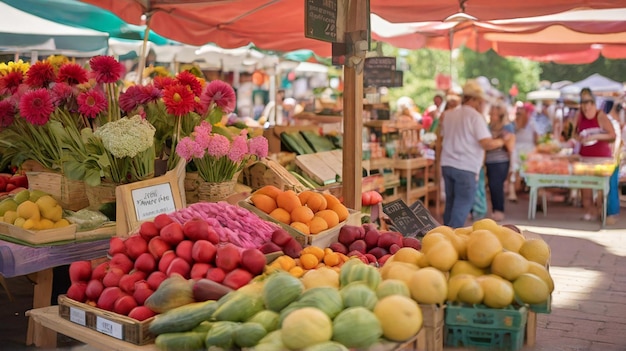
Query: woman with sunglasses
x,y
594,131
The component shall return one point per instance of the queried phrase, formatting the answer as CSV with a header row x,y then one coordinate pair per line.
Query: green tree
x,y
613,69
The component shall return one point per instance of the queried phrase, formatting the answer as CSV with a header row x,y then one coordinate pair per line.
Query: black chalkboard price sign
x,y
324,20
411,221
381,72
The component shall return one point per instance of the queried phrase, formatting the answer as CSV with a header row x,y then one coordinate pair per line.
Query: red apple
x,y
199,270
142,291
162,220
146,262
100,271
389,238
383,259
253,261
135,246
348,234
94,289
124,305
358,245
148,230
293,248
371,258
10,188
77,290
179,266
394,248
269,247
155,279
371,238
237,278
280,237
108,297
378,252
80,271
113,276
116,245
196,229
216,274
184,250
227,257
19,180
127,281
157,246
408,241
166,259
141,313
203,251
172,233
339,247
121,261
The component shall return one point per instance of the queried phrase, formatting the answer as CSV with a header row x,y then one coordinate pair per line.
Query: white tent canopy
x,y
598,84
23,32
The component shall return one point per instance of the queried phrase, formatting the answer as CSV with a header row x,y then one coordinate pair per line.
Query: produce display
x,y
32,210
12,183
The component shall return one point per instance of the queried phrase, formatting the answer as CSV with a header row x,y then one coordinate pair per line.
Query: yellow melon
x,y
400,317
466,267
509,265
408,255
482,247
442,255
542,272
536,250
455,283
431,239
428,285
531,289
471,292
498,292
510,239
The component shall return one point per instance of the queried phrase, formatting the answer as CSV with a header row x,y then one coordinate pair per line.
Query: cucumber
x,y
183,318
187,341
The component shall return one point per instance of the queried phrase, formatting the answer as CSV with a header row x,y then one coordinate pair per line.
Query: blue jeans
x,y
460,192
496,175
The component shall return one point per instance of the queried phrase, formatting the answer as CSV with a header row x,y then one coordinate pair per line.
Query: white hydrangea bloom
x,y
127,137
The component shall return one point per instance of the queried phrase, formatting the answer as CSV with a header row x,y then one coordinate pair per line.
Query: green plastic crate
x,y
509,318
483,338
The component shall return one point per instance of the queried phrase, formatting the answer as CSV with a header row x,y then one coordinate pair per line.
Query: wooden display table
x,y
406,167
47,323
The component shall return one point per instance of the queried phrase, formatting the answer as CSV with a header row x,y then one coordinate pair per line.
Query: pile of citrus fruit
x,y
309,212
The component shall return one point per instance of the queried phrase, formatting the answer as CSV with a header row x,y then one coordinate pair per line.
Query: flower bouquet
x,y
218,158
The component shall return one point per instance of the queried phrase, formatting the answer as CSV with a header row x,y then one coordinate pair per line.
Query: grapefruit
x,y
510,239
471,292
442,255
466,267
482,247
455,283
400,317
536,250
428,285
509,265
542,272
498,292
531,289
431,239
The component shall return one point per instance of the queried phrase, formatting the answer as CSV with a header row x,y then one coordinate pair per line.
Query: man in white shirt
x,y
465,136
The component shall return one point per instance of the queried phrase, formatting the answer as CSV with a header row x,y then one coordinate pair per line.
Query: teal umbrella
x,y
305,55
79,14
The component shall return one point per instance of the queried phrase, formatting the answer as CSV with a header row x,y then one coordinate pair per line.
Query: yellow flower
x,y
19,66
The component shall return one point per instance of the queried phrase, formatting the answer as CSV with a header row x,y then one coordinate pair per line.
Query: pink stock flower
x,y
258,146
91,103
238,149
106,69
221,94
218,146
186,148
36,106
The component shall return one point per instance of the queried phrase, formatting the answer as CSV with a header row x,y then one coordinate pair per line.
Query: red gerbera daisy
x,y
72,74
221,94
150,93
187,78
7,113
129,100
161,82
40,74
91,103
178,99
36,106
106,69
61,93
10,82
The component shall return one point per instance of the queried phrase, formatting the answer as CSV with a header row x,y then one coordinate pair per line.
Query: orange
x,y
317,251
263,202
297,271
302,214
281,215
318,224
332,259
285,262
331,217
316,202
308,261
288,200
331,199
341,210
304,196
268,190
301,227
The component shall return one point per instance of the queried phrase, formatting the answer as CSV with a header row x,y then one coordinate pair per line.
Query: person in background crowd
x,y
525,141
594,131
465,137
289,109
613,201
498,161
542,119
406,111
273,112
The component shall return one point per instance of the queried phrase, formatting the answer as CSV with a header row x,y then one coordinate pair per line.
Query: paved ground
x,y
588,265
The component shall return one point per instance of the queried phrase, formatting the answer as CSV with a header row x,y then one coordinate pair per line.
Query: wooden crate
x,y
430,337
70,194
322,239
54,236
108,323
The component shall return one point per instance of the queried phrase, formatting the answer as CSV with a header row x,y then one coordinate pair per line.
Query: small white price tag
x,y
77,316
110,328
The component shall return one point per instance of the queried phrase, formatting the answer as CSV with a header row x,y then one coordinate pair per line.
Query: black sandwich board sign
x,y
411,221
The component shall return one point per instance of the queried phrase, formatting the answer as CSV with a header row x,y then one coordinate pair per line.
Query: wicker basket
x,y
101,194
214,192
192,182
70,194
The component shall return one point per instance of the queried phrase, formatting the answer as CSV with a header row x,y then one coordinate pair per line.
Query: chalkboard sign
x,y
402,218
324,20
426,220
381,72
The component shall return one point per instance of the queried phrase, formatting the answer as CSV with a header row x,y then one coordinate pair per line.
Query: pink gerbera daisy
x,y
221,94
72,74
149,93
187,78
40,74
10,82
178,99
91,103
106,69
36,106
61,93
129,100
7,113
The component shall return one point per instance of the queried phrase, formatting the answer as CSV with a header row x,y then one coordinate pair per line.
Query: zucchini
x,y
183,318
187,341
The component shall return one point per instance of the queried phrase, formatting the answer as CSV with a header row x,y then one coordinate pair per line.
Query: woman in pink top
x,y
595,133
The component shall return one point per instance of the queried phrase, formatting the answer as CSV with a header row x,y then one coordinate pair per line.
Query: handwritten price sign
x,y
152,201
